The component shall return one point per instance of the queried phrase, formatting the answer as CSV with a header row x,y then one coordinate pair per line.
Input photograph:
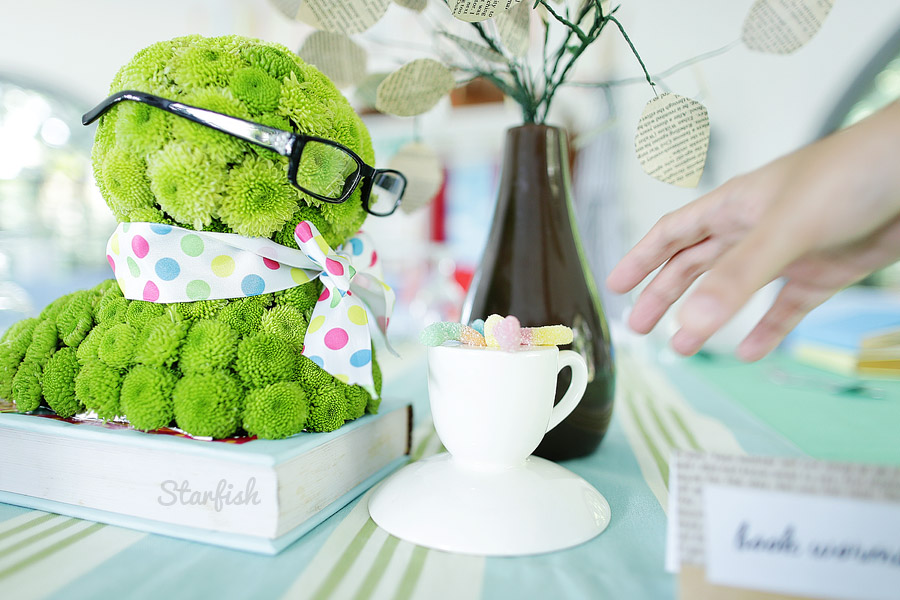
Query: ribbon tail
x,y
379,298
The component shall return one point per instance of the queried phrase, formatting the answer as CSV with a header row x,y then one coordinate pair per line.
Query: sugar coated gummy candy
x,y
489,325
471,337
549,335
445,331
478,325
508,334
438,333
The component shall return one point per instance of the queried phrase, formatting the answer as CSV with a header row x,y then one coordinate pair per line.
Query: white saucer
x,y
535,508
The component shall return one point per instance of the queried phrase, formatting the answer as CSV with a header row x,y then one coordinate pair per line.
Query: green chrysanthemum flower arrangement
x,y
217,367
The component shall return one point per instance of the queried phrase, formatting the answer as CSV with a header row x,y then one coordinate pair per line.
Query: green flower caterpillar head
x,y
152,165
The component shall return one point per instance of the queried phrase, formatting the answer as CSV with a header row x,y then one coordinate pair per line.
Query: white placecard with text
x,y
802,544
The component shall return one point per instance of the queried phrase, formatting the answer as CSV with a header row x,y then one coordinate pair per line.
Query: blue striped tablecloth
x,y
661,405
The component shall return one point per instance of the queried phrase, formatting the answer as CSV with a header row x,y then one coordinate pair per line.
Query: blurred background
x,y
58,57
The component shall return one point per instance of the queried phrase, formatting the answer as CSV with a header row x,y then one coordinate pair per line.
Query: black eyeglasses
x,y
320,168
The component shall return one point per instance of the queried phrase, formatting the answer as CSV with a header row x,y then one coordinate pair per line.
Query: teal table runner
x,y
711,404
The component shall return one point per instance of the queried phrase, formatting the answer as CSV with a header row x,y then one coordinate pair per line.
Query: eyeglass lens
x,y
387,187
325,169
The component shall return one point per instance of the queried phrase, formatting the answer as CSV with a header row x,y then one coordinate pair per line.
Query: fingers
x,y
742,270
792,304
670,283
671,234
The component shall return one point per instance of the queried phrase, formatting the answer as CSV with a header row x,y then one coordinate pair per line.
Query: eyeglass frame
x,y
285,143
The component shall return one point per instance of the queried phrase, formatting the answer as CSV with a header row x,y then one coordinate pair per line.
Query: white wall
x,y
80,45
760,106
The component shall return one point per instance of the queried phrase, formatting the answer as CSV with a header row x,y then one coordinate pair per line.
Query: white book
x,y
258,496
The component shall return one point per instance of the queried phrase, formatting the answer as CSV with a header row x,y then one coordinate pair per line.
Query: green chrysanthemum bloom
x,y
244,315
26,386
149,215
142,129
52,310
139,313
146,397
259,198
43,342
276,411
203,309
203,64
107,286
299,104
263,359
75,320
357,400
24,327
186,185
117,347
312,376
274,59
97,386
287,323
302,297
208,405
259,90
326,409
147,70
375,401
126,185
112,309
15,343
210,346
59,383
338,215
161,339
88,349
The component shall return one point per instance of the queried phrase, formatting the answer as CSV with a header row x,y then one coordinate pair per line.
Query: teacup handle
x,y
568,358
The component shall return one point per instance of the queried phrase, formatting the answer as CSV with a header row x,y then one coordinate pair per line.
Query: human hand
x,y
822,217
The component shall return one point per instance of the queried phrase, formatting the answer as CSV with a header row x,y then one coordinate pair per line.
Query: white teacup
x,y
491,407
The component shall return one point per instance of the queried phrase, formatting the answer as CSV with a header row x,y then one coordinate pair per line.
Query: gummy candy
x,y
497,332
489,325
444,331
549,335
471,337
478,325
508,334
438,333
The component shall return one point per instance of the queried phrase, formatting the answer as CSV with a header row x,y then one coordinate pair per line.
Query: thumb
x,y
748,266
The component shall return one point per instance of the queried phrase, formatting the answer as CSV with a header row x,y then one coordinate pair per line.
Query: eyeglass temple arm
x,y
270,138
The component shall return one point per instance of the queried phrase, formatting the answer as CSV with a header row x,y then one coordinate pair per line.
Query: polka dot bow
x,y
163,263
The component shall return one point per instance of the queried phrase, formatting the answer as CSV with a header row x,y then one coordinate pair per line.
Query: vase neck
x,y
535,164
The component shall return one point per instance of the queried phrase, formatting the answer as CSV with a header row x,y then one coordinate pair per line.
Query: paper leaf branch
x,y
672,139
514,27
341,59
416,5
346,16
783,26
415,88
474,11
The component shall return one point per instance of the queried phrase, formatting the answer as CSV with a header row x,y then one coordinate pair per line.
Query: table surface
x,y
714,404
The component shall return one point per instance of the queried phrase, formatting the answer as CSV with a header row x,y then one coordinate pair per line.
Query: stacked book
x,y
246,493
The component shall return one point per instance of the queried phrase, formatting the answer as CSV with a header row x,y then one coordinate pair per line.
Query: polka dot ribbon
x,y
164,264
